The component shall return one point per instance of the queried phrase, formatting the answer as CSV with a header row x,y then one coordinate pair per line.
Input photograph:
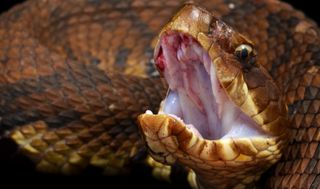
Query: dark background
x,y
19,172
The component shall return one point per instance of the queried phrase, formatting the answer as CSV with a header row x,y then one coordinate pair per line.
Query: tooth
x,y
197,50
149,112
206,62
184,49
179,55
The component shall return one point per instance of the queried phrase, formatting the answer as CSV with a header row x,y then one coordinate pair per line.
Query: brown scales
x,y
56,86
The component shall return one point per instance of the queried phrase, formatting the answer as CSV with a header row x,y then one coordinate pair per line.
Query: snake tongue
x,y
195,94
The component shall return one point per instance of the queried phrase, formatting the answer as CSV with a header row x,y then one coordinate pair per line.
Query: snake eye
x,y
243,52
246,56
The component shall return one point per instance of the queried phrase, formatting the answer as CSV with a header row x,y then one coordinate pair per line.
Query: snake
x,y
243,83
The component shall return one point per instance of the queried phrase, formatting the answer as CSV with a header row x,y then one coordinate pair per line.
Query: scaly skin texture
x,y
75,74
233,162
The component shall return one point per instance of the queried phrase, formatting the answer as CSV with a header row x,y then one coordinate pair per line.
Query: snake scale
x,y
74,76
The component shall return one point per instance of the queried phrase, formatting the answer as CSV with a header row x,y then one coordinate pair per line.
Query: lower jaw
x,y
224,163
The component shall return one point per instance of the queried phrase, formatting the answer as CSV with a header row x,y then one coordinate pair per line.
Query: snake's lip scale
x,y
212,119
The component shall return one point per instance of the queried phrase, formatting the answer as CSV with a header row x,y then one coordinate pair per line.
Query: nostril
x,y
160,60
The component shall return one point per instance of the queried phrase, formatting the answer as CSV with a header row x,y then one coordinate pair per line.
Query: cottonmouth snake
x,y
76,74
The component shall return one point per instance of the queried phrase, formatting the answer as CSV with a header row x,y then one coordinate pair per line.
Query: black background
x,y
19,172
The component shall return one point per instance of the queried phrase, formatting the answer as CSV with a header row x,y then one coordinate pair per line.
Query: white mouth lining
x,y
210,113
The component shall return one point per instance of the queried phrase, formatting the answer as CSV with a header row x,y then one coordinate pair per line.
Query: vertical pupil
x,y
244,53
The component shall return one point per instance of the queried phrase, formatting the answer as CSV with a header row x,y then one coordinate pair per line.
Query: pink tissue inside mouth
x,y
160,61
195,94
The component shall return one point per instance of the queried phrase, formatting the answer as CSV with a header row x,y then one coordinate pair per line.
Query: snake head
x,y
224,116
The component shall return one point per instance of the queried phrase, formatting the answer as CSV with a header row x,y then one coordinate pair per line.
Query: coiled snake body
x,y
75,75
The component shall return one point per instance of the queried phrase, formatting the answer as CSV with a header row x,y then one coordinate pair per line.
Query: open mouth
x,y
223,116
195,95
